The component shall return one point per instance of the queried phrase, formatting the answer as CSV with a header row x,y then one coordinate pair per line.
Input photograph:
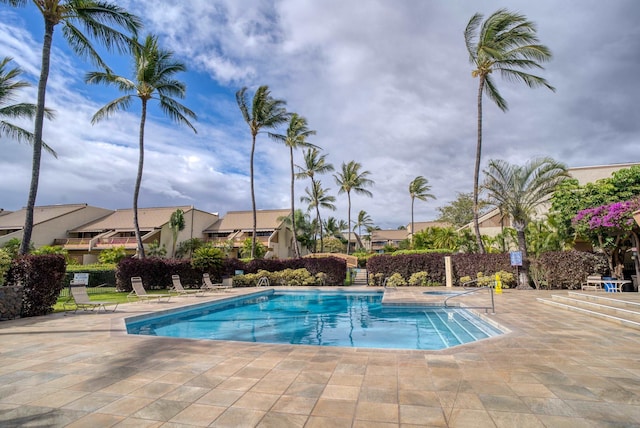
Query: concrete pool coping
x,y
555,368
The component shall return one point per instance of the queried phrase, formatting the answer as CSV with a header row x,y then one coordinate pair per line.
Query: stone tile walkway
x,y
554,369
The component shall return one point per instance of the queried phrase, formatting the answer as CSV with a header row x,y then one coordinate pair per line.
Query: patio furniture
x,y
207,285
178,288
139,292
81,300
608,284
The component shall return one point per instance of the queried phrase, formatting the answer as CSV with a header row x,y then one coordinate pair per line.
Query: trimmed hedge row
x,y
408,264
561,269
569,269
156,273
41,278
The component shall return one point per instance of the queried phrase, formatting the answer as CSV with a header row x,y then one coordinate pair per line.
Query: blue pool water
x,y
348,319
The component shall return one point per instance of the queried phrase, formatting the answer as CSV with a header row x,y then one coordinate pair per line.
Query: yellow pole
x,y
498,285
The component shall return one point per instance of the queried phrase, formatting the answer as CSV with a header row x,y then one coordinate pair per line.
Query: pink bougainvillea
x,y
616,217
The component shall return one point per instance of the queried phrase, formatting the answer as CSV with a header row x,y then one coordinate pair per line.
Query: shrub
x,y
5,264
569,269
396,280
41,278
376,279
259,253
207,258
156,250
471,264
112,255
419,278
408,264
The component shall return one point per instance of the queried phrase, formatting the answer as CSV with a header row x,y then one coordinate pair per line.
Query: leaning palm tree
x,y
418,188
506,43
351,178
364,220
263,112
9,85
100,20
317,198
519,190
295,137
153,79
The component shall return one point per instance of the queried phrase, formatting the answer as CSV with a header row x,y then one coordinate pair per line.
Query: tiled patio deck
x,y
555,369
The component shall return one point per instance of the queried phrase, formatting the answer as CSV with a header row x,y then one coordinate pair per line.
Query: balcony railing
x,y
71,241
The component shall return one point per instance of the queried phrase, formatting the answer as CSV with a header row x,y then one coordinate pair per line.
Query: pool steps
x,y
618,310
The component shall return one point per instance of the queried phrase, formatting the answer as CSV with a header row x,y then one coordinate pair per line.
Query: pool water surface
x,y
350,319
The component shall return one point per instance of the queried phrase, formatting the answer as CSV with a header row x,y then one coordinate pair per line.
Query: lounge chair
x,y
207,285
178,288
80,299
139,291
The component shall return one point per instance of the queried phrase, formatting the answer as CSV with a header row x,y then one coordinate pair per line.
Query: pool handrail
x,y
486,308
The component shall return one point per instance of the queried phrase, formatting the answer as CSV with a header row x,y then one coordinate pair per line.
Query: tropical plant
x,y
207,258
112,255
317,198
314,164
294,138
418,188
249,247
186,248
350,178
334,228
157,250
102,21
176,224
506,42
12,246
50,249
263,112
305,228
9,85
154,78
519,190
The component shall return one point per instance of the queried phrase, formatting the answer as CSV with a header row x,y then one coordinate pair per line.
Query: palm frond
x,y
119,104
177,112
22,135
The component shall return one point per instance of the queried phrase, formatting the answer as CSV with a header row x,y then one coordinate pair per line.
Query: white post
x,y
448,271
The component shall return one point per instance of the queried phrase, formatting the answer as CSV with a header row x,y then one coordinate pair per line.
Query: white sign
x,y
80,279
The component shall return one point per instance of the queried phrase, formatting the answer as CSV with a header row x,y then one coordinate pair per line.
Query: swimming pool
x,y
350,319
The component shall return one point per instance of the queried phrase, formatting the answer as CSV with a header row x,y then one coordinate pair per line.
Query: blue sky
x,y
388,86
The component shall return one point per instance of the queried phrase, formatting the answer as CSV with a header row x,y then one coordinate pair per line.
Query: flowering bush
x,y
611,218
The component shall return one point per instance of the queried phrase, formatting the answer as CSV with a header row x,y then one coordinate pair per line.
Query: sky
x,y
388,86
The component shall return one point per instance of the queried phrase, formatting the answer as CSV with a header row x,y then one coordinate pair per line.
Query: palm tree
x,y
154,79
176,224
334,227
314,164
418,188
519,190
8,88
264,112
506,43
295,137
364,220
100,18
318,198
350,178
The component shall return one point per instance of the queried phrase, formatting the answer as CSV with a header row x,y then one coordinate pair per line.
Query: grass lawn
x,y
119,297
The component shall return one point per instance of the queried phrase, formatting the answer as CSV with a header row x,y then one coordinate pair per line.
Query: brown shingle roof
x,y
388,235
121,220
15,220
243,220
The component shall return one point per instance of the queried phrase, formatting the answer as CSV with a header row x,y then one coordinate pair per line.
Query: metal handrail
x,y
475,290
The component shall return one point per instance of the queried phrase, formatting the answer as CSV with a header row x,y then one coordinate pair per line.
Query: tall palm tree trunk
x,y
136,190
412,230
37,134
523,281
296,250
253,199
349,223
476,173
